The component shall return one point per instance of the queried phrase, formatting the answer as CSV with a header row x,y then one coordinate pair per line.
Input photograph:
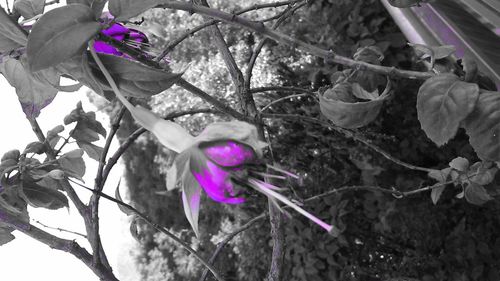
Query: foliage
x,y
383,223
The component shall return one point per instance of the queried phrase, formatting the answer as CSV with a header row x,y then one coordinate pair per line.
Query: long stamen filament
x,y
266,189
283,171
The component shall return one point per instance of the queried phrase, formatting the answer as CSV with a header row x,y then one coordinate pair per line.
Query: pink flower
x,y
224,158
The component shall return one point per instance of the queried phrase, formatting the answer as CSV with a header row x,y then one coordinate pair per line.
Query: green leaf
x,y
60,34
76,153
361,93
5,236
134,228
84,134
440,175
470,68
340,92
39,196
4,204
93,151
191,196
56,174
134,78
443,102
73,166
78,68
7,166
483,126
54,131
34,90
476,194
348,114
11,201
12,36
369,54
125,9
482,173
29,8
118,197
460,164
433,52
96,5
35,147
11,154
87,125
436,193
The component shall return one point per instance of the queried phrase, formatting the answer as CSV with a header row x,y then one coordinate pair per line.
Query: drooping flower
x,y
223,159
226,158
132,37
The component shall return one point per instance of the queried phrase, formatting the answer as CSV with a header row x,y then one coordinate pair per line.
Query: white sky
x,y
25,259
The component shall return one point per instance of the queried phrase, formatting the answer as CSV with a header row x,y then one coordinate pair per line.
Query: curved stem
x,y
157,227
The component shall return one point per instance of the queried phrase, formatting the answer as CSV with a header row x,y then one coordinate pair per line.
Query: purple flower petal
x,y
191,195
217,184
229,153
115,30
119,32
104,48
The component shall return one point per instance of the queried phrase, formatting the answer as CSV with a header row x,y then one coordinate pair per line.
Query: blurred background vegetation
x,y
382,237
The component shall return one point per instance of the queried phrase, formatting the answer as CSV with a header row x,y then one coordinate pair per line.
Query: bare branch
x,y
281,89
99,184
190,32
282,99
156,226
60,229
213,101
351,135
287,40
256,51
223,243
231,65
57,243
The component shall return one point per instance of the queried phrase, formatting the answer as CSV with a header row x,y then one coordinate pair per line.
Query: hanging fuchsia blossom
x,y
132,37
226,157
223,160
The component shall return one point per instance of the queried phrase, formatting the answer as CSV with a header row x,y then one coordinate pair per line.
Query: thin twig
x,y
232,67
223,243
281,89
288,12
288,40
213,101
48,3
99,183
57,243
190,32
156,226
351,135
60,229
282,99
